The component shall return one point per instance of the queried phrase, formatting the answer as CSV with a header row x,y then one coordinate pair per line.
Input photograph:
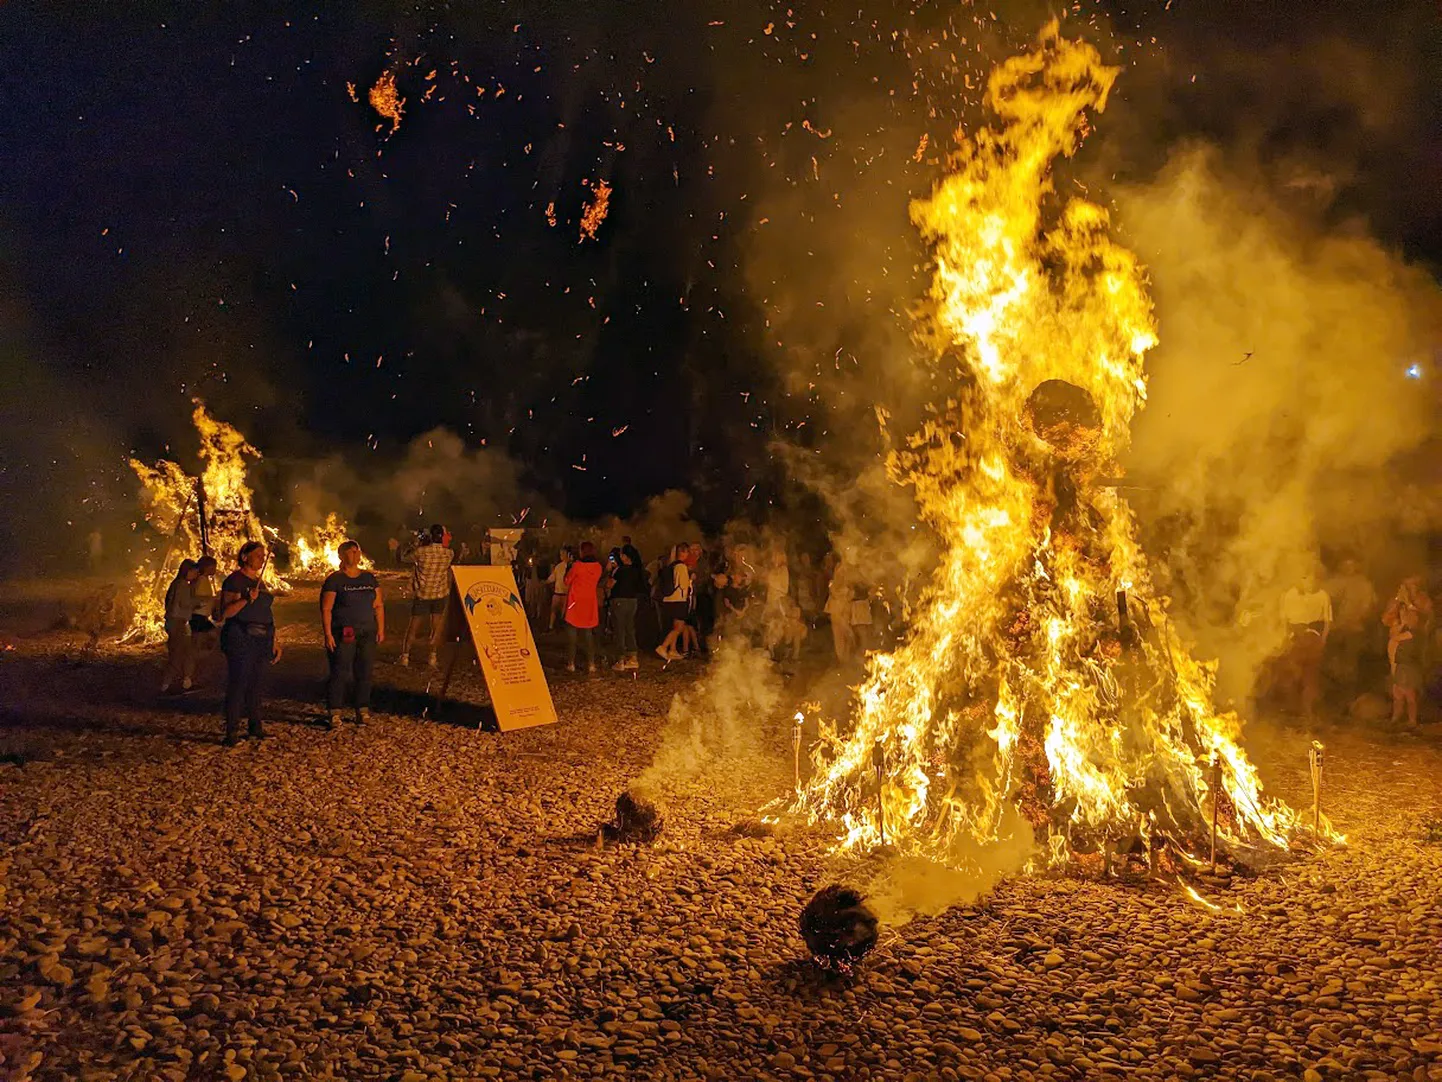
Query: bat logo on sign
x,y
472,600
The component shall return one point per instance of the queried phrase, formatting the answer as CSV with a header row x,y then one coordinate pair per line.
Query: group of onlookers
x,y
691,593
240,619
1334,632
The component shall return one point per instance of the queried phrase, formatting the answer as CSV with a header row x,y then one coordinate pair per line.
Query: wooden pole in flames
x,y
204,523
878,760
1216,802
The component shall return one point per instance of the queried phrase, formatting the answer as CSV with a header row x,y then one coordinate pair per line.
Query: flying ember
x,y
1041,685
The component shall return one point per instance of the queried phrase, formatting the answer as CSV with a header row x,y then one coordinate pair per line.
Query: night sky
x,y
195,204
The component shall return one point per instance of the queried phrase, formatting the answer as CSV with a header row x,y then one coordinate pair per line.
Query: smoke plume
x,y
1280,398
718,719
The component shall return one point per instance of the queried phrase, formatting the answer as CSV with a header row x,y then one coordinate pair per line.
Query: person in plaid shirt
x,y
430,588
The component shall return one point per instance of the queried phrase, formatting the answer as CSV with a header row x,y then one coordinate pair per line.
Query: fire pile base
x,y
638,819
837,926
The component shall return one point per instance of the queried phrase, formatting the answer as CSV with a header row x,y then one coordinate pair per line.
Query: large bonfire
x,y
1040,680
212,514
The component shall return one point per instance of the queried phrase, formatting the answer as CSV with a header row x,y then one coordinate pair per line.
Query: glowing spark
x,y
386,100
595,212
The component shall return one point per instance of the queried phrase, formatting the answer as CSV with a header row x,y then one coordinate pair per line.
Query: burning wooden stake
x,y
838,927
1314,759
878,760
1216,802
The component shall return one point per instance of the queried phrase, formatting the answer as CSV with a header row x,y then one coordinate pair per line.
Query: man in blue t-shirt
x,y
353,621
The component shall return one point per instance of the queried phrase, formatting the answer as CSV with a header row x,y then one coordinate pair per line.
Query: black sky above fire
x,y
196,203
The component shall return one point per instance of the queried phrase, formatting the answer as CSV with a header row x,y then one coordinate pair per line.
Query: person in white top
x,y
675,601
558,587
1307,612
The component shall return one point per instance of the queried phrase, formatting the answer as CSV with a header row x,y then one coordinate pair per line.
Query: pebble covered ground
x,y
418,901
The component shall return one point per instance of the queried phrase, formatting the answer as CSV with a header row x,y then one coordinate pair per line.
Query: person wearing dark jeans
x,y
248,640
629,586
248,653
353,623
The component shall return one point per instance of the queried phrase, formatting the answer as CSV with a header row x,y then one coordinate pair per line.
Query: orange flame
x,y
1018,685
169,503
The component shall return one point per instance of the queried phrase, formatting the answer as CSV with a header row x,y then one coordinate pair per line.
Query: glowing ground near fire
x,y
173,911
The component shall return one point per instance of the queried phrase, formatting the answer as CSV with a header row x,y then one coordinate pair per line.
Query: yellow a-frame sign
x,y
486,608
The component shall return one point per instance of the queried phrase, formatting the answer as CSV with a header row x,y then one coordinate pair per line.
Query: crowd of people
x,y
683,600
239,620
1338,634
688,595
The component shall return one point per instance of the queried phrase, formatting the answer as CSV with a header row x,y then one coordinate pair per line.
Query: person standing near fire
x,y
353,624
1408,617
583,613
838,609
1354,604
559,587
179,643
628,587
1307,613
430,564
248,640
675,588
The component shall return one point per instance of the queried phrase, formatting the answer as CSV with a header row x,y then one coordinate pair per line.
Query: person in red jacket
x,y
582,607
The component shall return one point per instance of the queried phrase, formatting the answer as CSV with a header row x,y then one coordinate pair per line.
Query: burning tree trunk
x,y
1040,673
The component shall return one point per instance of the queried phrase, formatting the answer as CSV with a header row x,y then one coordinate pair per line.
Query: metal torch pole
x,y
878,760
1216,802
796,751
1314,759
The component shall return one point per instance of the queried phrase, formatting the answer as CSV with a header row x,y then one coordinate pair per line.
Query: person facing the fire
x,y
1307,612
1408,615
180,649
248,640
430,564
353,623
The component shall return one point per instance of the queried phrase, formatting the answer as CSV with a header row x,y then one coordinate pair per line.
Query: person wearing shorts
x,y
430,589
675,604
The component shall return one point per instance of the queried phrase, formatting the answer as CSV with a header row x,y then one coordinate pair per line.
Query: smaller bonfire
x,y
213,514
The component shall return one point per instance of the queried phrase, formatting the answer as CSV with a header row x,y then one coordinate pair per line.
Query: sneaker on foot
x,y
362,715
185,684
405,660
621,666
433,663
662,654
570,666
334,719
229,740
591,667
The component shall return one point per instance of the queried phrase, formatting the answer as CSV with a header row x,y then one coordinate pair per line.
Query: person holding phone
x,y
353,624
248,640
